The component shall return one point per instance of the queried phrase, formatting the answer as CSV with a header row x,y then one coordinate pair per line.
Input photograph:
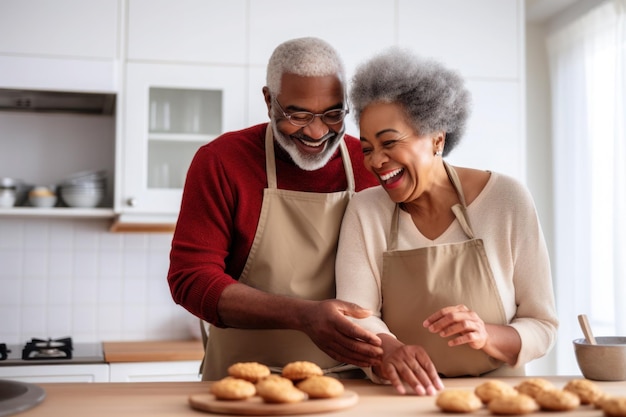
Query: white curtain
x,y
588,77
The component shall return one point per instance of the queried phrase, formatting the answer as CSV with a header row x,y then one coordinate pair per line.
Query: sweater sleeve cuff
x,y
534,343
211,301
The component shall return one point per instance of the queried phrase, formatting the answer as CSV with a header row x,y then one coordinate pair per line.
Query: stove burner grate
x,y
4,351
48,349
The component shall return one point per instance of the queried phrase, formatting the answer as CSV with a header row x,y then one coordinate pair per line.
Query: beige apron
x,y
293,254
418,282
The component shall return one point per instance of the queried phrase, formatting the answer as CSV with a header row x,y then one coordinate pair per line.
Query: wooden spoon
x,y
584,325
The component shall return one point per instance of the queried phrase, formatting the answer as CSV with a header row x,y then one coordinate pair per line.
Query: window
x,y
588,77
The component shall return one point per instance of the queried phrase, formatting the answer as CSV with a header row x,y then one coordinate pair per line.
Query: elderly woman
x,y
451,260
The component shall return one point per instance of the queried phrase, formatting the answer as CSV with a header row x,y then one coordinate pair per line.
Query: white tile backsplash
x,y
11,319
11,263
65,277
10,293
59,292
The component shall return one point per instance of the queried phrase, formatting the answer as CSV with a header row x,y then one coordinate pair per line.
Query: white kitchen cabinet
x,y
60,28
114,372
168,112
155,371
56,373
58,74
199,31
63,45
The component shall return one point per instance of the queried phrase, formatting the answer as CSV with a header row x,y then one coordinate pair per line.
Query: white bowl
x,y
86,176
81,200
81,192
42,201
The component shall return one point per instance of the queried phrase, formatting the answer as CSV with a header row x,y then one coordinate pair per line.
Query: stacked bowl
x,y
84,189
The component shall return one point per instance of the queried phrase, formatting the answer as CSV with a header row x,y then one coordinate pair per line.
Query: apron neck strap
x,y
270,161
456,182
347,164
392,243
459,210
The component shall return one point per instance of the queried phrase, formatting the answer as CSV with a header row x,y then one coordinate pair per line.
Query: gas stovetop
x,y
50,351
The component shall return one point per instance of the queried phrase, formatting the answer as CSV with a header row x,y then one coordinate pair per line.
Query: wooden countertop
x,y
153,351
167,399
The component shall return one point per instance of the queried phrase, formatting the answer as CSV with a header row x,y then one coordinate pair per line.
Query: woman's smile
x,y
390,179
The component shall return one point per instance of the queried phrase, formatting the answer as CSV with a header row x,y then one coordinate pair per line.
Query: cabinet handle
x,y
131,202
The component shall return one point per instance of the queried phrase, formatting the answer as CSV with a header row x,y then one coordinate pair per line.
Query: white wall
x,y
539,145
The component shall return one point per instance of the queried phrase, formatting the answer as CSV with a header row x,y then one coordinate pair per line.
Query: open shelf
x,y
69,212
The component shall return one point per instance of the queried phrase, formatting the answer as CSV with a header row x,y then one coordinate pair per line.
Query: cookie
x,y
587,391
278,389
557,400
533,386
515,404
458,401
614,407
231,389
321,387
301,369
273,381
250,371
491,389
599,402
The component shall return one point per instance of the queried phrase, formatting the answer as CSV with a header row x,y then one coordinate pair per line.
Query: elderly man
x,y
254,249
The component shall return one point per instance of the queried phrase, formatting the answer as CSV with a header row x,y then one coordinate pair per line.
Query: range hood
x,y
57,102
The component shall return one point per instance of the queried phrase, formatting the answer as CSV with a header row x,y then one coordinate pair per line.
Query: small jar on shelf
x,y
8,192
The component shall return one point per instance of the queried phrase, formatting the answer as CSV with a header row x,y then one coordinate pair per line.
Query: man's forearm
x,y
241,306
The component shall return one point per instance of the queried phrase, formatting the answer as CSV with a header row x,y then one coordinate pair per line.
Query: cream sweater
x,y
503,216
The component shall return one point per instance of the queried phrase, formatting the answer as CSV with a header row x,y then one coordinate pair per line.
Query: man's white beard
x,y
305,161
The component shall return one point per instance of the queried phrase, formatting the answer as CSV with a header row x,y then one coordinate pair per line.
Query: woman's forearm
x,y
504,343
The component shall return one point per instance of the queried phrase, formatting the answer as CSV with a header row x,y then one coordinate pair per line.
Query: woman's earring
x,y
438,153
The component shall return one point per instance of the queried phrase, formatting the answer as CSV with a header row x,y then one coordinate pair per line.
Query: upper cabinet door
x,y
63,45
169,111
60,28
197,31
480,38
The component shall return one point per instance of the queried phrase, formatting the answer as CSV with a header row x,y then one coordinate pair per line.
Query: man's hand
x,y
325,322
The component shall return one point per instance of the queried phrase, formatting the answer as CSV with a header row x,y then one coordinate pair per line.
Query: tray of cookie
x,y
529,396
251,389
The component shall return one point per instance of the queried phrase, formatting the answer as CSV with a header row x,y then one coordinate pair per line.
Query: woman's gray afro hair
x,y
434,98
306,57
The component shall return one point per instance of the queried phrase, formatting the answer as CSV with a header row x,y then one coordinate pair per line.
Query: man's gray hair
x,y
433,97
306,57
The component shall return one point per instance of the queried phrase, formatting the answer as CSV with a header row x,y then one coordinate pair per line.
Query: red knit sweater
x,y
221,206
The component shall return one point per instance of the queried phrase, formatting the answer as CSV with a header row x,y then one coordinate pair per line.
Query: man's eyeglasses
x,y
305,118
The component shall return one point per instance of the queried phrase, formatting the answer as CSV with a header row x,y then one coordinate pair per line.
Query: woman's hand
x,y
464,326
461,324
408,364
